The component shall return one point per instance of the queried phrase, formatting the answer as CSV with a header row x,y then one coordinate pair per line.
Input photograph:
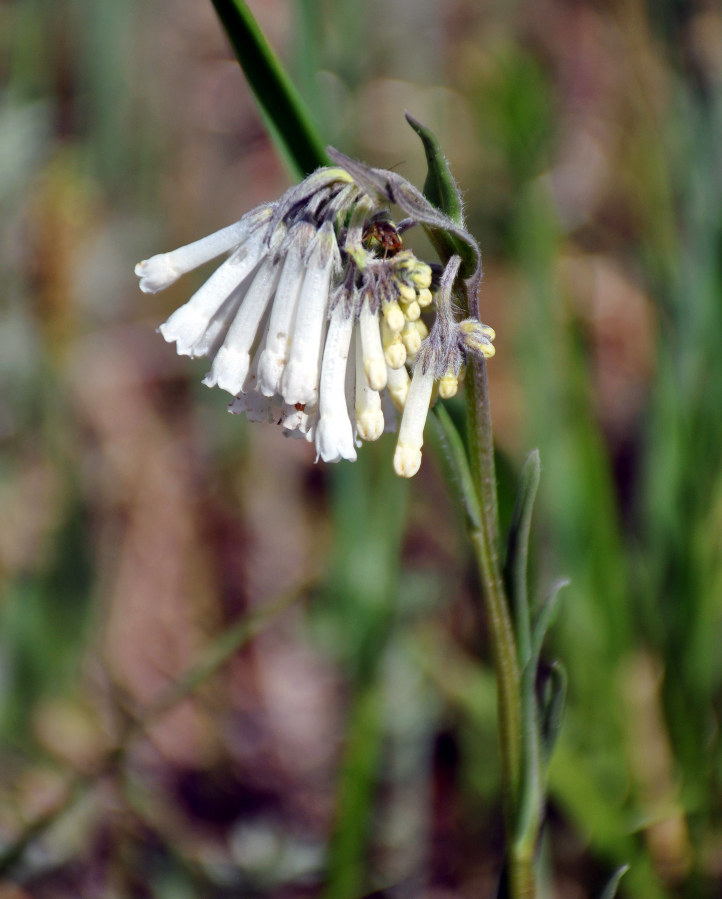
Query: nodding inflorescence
x,y
321,320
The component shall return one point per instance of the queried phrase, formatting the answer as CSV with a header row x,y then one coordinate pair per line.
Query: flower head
x,y
319,310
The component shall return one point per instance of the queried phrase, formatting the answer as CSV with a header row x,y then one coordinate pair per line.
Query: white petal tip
x,y
185,327
370,424
394,317
270,372
407,461
412,312
375,370
448,387
228,371
395,355
334,439
299,383
412,341
156,273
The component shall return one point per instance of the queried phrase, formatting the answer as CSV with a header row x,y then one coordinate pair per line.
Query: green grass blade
x,y
281,103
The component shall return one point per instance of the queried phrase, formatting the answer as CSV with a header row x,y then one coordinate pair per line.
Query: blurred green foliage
x,y
351,748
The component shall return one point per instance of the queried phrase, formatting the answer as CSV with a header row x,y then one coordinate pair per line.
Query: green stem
x,y
506,665
481,448
507,671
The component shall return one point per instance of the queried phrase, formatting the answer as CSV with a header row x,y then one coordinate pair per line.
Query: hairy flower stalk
x,y
320,312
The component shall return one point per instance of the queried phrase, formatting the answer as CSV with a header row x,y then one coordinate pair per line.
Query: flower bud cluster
x,y
319,313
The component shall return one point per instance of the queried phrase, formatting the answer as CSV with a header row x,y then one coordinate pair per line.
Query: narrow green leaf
x,y
277,96
457,463
541,721
440,187
610,891
531,796
544,618
517,554
551,699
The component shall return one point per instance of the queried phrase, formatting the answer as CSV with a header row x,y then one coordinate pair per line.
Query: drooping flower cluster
x,y
319,312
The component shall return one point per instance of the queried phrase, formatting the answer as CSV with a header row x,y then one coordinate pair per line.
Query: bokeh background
x,y
347,747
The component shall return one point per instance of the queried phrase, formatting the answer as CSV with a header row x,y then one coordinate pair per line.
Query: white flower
x,y
407,457
311,321
334,433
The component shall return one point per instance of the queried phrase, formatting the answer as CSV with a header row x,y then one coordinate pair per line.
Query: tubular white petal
x,y
422,329
233,359
374,363
334,433
299,382
350,386
395,354
407,457
398,386
215,333
424,297
412,311
393,316
162,270
369,417
278,344
448,386
406,292
394,349
187,325
422,276
411,338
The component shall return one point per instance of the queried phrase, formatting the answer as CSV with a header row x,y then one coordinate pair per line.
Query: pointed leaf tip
x,y
440,187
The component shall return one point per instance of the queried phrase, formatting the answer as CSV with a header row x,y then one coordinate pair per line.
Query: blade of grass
x,y
276,94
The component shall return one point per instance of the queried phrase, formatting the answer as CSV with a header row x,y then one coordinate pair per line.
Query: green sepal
x,y
441,191
440,188
283,108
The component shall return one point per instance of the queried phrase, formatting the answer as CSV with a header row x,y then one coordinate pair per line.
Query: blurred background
x,y
349,748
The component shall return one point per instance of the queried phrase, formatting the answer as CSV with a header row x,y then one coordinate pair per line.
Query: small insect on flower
x,y
383,234
319,316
